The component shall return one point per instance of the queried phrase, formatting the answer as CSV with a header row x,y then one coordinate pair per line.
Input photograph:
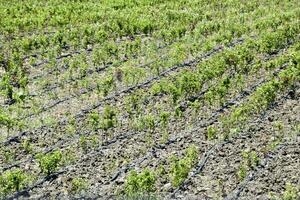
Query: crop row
x,y
235,29
255,94
67,98
124,122
88,111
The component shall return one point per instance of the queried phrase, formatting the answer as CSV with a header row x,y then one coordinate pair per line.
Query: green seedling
x,y
143,182
180,168
49,163
12,181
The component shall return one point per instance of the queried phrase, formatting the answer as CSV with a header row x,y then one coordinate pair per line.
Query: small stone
x,y
167,187
120,180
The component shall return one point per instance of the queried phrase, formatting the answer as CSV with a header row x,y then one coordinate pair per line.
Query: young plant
x,y
105,121
146,122
133,75
7,155
27,146
250,161
12,181
250,158
104,86
291,192
133,104
143,182
49,162
242,173
109,119
7,121
164,118
180,168
78,185
7,89
211,132
87,142
94,120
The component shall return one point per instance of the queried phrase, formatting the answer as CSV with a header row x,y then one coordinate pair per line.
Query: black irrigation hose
x,y
234,194
56,29
243,94
66,47
120,137
129,90
46,61
184,105
25,191
71,54
204,159
35,55
98,70
198,168
75,52
214,116
147,83
28,34
212,119
102,68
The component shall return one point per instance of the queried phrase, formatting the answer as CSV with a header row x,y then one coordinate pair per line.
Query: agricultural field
x,y
150,99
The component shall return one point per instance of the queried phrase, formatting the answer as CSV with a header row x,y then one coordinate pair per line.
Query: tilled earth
x,y
216,174
279,165
62,105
